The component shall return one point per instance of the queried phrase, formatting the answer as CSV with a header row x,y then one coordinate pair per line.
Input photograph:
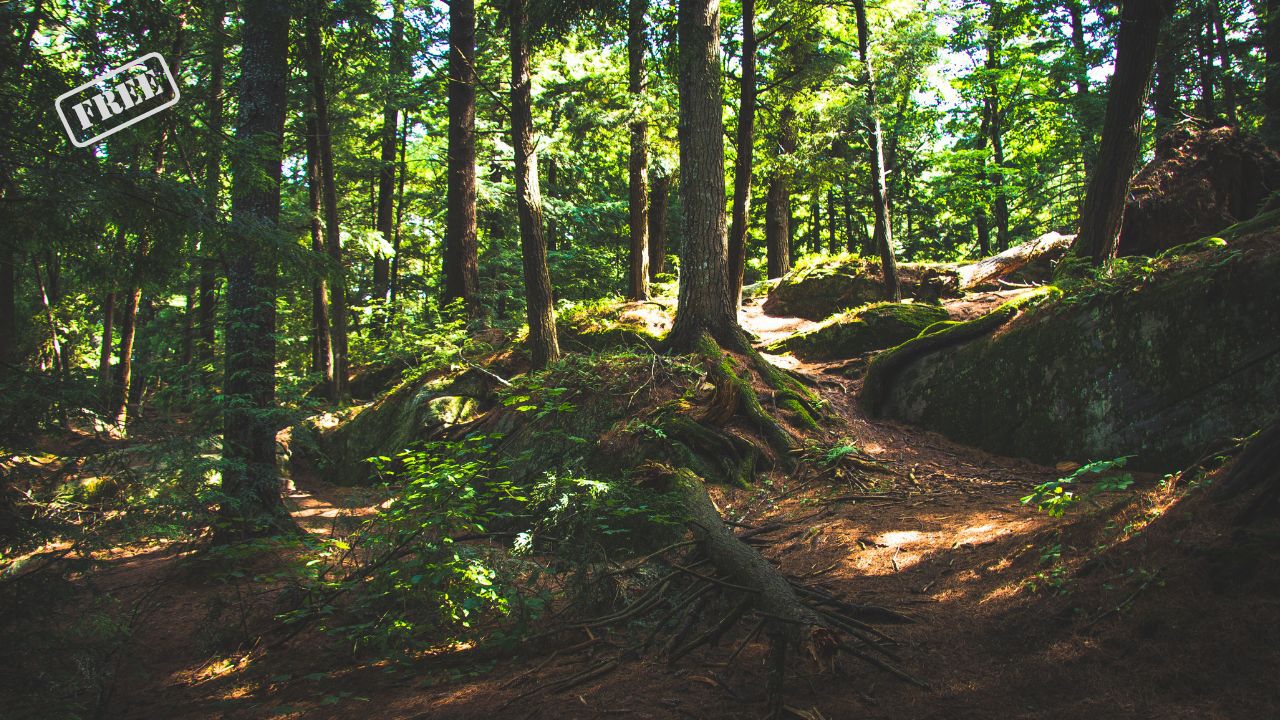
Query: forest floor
x,y
1144,604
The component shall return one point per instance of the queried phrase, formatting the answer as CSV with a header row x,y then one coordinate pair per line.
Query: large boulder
x,y
818,290
1202,180
1166,366
862,330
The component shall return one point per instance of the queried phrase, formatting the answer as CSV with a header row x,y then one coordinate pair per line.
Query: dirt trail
x,y
942,537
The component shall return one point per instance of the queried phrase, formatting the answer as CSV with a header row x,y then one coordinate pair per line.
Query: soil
x,y
1146,604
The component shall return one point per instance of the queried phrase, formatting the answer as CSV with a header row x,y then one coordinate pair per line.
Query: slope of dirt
x,y
1140,607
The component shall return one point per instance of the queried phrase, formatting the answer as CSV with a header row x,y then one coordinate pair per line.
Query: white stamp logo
x,y
117,99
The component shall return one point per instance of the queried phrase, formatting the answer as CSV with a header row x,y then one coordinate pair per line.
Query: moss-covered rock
x,y
871,327
608,324
823,286
1167,367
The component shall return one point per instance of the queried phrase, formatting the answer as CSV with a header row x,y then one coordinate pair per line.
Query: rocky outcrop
x,y
1164,366
862,330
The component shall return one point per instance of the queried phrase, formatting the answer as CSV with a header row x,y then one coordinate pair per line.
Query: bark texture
x,y
742,165
638,164
879,190
461,263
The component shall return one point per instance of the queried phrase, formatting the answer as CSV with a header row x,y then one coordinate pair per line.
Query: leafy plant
x,y
1057,496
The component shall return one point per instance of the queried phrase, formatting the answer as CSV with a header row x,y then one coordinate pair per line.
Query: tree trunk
x,y
540,310
1080,71
815,220
124,370
1165,93
879,191
250,482
104,351
329,200
705,303
461,263
8,314
659,195
1224,59
833,242
208,296
777,213
846,208
1103,210
387,157
638,165
322,342
401,173
995,126
1204,56
1271,76
743,163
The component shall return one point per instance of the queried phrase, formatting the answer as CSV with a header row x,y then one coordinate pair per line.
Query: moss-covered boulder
x,y
608,324
1165,364
871,327
820,287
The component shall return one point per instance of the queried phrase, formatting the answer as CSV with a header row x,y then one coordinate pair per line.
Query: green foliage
x,y
1057,496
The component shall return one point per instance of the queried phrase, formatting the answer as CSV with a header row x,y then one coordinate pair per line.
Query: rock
x,y
1203,179
868,328
819,290
1166,367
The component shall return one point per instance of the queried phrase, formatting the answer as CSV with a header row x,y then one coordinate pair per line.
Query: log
x,y
1047,246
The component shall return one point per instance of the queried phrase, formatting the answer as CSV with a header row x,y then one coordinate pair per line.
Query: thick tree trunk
x,y
387,157
777,213
659,196
1049,245
329,199
540,311
638,165
250,482
1080,71
879,191
322,343
461,263
1103,210
705,304
743,164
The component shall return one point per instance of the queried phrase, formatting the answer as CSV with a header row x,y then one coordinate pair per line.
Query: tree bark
x,y
401,173
387,157
638,165
1271,77
124,370
1103,211
461,263
329,199
744,161
777,213
544,347
704,303
1080,71
1224,60
1165,92
104,351
879,191
1208,107
995,126
659,196
251,486
208,295
322,341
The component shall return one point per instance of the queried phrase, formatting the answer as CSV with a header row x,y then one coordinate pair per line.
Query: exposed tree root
x,y
1257,467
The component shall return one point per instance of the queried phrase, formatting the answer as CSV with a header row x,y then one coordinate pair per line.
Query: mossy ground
x,y
862,330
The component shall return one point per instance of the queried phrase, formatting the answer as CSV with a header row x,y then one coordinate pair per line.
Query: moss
x,y
820,287
865,329
1166,369
604,325
885,366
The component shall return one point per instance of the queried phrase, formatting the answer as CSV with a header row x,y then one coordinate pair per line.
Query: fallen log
x,y
1049,246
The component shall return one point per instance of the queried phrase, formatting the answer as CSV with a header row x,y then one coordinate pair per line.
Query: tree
x,y
638,163
1103,211
1270,15
337,284
875,141
742,165
659,198
252,504
461,264
777,213
321,340
207,289
705,304
544,347
387,157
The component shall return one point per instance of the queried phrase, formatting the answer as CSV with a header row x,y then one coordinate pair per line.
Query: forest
x,y
639,358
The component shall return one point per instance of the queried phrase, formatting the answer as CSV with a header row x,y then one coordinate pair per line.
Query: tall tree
x,y
995,122
659,198
1103,210
208,292
777,211
638,163
705,304
387,158
321,338
1270,14
879,191
252,503
461,263
743,164
544,347
316,76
